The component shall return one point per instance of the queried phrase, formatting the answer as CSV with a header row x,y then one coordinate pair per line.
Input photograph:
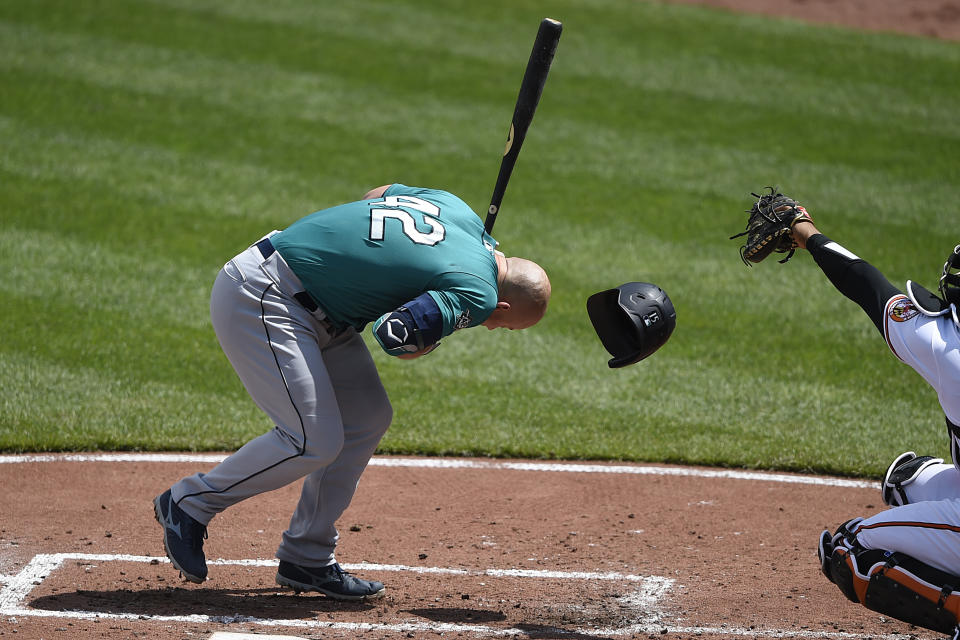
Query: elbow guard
x,y
410,328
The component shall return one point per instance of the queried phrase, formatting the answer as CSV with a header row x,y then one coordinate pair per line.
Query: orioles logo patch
x,y
902,310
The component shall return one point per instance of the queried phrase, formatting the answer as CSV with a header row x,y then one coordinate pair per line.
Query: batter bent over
x,y
905,561
288,313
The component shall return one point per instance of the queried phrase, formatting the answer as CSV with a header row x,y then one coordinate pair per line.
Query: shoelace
x,y
342,574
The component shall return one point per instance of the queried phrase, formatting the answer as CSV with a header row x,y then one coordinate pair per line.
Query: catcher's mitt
x,y
769,227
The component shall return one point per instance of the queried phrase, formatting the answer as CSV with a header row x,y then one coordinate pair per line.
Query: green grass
x,y
145,143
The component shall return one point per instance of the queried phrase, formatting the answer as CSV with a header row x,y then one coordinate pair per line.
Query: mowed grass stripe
x,y
142,352
664,159
46,404
184,186
256,89
319,92
149,288
171,80
648,55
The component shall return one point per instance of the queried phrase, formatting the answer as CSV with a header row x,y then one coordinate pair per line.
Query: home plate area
x,y
433,600
467,548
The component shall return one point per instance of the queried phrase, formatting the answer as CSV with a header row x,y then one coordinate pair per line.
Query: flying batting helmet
x,y
632,321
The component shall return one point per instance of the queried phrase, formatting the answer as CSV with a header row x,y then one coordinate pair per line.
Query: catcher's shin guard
x,y
898,586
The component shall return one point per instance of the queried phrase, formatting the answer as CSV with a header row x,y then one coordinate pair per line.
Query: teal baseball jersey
x,y
363,259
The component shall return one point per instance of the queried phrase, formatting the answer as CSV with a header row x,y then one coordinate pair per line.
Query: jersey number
x,y
430,213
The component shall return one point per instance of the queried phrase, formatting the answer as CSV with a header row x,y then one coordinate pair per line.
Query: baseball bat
x,y
538,66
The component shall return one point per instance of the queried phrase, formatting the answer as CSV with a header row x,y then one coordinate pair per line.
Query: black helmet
x,y
950,278
948,302
632,321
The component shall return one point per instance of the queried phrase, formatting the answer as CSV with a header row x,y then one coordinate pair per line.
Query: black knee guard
x,y
898,586
828,542
901,472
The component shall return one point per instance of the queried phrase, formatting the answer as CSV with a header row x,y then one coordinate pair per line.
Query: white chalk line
x,y
475,629
229,635
652,590
18,588
454,463
55,559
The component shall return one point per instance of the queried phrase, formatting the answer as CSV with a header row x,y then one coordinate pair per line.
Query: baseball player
x,y
905,561
288,313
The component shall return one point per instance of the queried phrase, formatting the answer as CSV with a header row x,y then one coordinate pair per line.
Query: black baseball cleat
x,y
332,581
182,538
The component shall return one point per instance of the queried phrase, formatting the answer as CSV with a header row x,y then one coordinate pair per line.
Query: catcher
x,y
905,561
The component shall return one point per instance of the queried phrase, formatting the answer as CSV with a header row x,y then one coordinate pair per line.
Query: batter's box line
x,y
652,588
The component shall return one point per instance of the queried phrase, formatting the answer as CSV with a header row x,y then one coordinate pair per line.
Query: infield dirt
x,y
466,552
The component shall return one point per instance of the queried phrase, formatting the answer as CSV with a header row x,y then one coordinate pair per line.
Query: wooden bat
x,y
544,47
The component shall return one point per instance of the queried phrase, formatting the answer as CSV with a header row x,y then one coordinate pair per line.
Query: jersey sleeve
x,y
465,302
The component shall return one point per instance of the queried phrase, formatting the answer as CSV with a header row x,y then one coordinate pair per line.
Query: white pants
x,y
321,390
928,528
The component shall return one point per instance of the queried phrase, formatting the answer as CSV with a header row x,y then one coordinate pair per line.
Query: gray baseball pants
x,y
319,387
